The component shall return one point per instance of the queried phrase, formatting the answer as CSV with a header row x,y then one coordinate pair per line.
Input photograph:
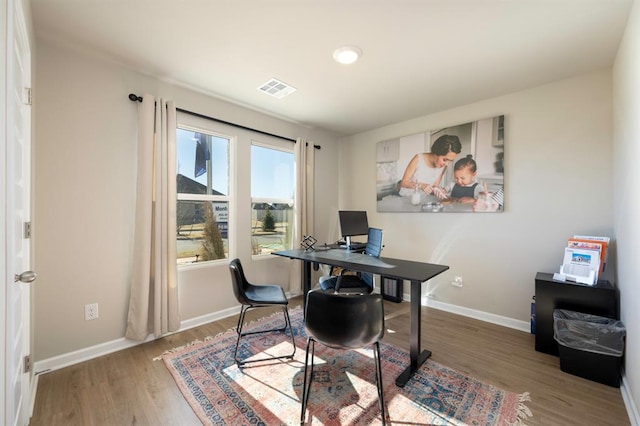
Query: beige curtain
x,y
304,158
153,304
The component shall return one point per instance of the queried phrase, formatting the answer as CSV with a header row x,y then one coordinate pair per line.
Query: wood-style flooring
x,y
128,388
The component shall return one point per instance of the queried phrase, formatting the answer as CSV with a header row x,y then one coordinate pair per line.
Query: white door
x,y
17,217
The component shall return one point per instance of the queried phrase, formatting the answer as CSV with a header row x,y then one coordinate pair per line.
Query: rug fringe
x,y
523,411
188,345
176,349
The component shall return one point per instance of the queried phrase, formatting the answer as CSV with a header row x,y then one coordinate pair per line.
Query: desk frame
x,y
415,272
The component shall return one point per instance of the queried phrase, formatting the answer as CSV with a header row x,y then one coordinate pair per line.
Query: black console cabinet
x,y
600,299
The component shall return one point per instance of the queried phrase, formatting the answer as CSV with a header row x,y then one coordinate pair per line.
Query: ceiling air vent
x,y
277,88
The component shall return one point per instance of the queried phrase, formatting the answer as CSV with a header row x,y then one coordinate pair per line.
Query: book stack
x,y
585,258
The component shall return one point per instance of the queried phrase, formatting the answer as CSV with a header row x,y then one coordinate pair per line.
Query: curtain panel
x,y
304,157
153,303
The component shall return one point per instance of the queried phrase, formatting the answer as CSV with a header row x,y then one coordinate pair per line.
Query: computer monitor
x,y
353,222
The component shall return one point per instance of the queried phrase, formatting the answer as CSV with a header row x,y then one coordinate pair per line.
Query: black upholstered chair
x,y
360,282
343,321
253,296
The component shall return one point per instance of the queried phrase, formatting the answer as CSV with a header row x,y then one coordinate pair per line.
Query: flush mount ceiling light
x,y
347,54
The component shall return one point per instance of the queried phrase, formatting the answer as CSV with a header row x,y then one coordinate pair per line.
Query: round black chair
x,y
253,296
361,282
343,321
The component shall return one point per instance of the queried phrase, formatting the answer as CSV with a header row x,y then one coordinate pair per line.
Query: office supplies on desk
x,y
356,246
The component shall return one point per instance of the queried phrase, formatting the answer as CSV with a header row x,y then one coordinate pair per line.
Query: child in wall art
x,y
465,187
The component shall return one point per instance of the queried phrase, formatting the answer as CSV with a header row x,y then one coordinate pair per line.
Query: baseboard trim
x,y
627,398
85,354
476,314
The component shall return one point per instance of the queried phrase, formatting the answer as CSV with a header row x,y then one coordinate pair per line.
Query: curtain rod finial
x,y
133,97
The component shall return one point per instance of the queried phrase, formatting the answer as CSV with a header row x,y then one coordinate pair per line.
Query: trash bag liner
x,y
588,332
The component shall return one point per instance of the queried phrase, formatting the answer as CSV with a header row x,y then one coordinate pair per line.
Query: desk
x,y
415,272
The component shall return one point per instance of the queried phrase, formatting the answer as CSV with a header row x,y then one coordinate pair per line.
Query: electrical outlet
x,y
91,311
457,282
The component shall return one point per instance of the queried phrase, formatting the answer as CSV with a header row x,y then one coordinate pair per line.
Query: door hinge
x,y
27,230
27,97
28,363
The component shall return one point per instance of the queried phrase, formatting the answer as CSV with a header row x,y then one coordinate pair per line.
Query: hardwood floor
x,y
128,388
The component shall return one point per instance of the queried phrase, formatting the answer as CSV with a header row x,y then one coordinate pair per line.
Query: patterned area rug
x,y
343,390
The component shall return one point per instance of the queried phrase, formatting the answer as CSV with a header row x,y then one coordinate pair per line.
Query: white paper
x,y
581,265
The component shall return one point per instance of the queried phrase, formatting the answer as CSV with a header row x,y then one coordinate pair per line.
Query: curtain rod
x,y
135,98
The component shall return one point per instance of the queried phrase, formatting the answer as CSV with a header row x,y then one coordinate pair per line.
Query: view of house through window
x,y
272,191
202,212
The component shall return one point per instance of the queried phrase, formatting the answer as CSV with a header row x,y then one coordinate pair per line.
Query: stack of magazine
x,y
585,258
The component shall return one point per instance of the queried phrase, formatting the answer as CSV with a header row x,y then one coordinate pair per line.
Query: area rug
x,y
343,390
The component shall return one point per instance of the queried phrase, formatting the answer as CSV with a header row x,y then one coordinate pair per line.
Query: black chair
x,y
253,296
361,282
343,321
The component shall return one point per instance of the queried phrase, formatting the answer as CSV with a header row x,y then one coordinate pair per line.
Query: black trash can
x,y
590,346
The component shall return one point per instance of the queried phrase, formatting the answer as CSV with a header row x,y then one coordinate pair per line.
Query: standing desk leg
x,y
306,282
416,357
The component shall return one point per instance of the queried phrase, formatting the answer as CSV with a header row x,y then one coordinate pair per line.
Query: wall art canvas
x,y
453,169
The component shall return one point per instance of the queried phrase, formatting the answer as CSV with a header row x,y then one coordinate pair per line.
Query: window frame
x,y
276,145
196,124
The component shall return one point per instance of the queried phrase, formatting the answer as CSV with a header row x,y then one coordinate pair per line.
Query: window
x,y
202,211
272,192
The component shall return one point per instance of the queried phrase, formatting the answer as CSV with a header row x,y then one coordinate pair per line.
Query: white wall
x,y
85,148
626,195
558,154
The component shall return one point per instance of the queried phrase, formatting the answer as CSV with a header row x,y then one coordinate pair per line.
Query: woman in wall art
x,y
426,171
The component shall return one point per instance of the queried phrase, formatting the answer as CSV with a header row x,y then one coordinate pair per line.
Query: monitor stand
x,y
348,243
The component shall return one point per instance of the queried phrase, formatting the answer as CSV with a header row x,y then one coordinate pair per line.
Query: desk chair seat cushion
x,y
348,284
270,294
254,294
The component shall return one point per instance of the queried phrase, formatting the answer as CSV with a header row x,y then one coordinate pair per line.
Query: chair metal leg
x,y
288,323
376,356
306,386
239,326
308,378
243,310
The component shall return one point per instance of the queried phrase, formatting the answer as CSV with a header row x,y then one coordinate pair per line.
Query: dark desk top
x,y
388,267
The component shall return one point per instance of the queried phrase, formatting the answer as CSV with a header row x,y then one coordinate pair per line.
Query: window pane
x,y
203,161
271,227
272,186
271,173
202,231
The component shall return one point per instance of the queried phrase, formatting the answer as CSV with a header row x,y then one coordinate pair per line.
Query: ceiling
x,y
419,56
